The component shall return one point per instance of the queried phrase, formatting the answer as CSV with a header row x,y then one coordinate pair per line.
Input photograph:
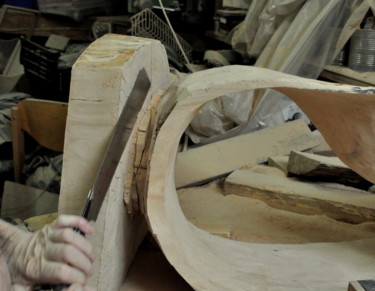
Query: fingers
x,y
68,254
72,221
54,272
77,287
68,236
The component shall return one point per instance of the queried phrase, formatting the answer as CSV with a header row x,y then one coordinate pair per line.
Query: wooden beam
x,y
321,168
102,79
342,203
211,161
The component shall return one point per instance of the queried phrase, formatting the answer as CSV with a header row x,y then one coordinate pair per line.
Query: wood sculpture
x,y
101,80
342,113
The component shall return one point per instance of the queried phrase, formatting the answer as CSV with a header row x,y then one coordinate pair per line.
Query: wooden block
x,y
324,168
323,148
362,285
211,161
280,162
22,201
308,164
102,79
344,204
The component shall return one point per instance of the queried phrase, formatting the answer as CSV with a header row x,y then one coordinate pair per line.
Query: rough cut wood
x,y
252,220
204,163
362,285
344,203
323,168
308,164
102,78
280,162
209,262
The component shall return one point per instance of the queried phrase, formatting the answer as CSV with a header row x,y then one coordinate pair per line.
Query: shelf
x,y
345,75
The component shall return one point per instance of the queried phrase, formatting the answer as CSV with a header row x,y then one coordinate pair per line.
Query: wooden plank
x,y
345,75
341,203
362,285
321,168
29,22
280,162
253,221
211,161
102,79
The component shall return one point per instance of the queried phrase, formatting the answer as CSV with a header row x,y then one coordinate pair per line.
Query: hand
x,y
55,254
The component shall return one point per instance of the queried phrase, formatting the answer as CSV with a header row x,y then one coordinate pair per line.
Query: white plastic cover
x,y
299,37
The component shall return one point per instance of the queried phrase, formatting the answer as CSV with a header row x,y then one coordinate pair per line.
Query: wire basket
x,y
147,24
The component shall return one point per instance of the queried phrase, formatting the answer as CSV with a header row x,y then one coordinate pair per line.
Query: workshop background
x,y
40,40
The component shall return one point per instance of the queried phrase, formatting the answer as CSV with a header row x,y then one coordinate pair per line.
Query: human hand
x,y
55,254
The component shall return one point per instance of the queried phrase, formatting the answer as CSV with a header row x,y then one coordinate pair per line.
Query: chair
x,y
44,121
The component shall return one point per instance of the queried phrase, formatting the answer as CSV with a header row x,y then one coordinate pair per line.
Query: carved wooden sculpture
x,y
344,114
101,80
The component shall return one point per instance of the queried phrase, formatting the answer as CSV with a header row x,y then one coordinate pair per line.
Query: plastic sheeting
x,y
292,36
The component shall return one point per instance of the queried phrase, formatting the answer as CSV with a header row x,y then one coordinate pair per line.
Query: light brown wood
x,y
280,162
333,200
102,79
253,221
44,120
209,262
322,168
214,160
356,286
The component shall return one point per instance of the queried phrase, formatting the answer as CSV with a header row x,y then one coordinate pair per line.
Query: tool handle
x,y
60,287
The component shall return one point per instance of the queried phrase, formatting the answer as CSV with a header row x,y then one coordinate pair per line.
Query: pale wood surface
x,y
253,221
216,159
334,200
342,74
322,168
102,78
44,120
280,162
209,262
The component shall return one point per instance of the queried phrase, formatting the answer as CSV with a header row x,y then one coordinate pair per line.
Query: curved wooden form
x,y
345,116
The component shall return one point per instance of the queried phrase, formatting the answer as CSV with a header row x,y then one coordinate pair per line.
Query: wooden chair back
x,y
43,120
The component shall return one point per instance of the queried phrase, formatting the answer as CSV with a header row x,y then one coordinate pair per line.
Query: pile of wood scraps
x,y
289,197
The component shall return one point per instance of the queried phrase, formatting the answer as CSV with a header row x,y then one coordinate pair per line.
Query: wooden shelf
x,y
345,75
